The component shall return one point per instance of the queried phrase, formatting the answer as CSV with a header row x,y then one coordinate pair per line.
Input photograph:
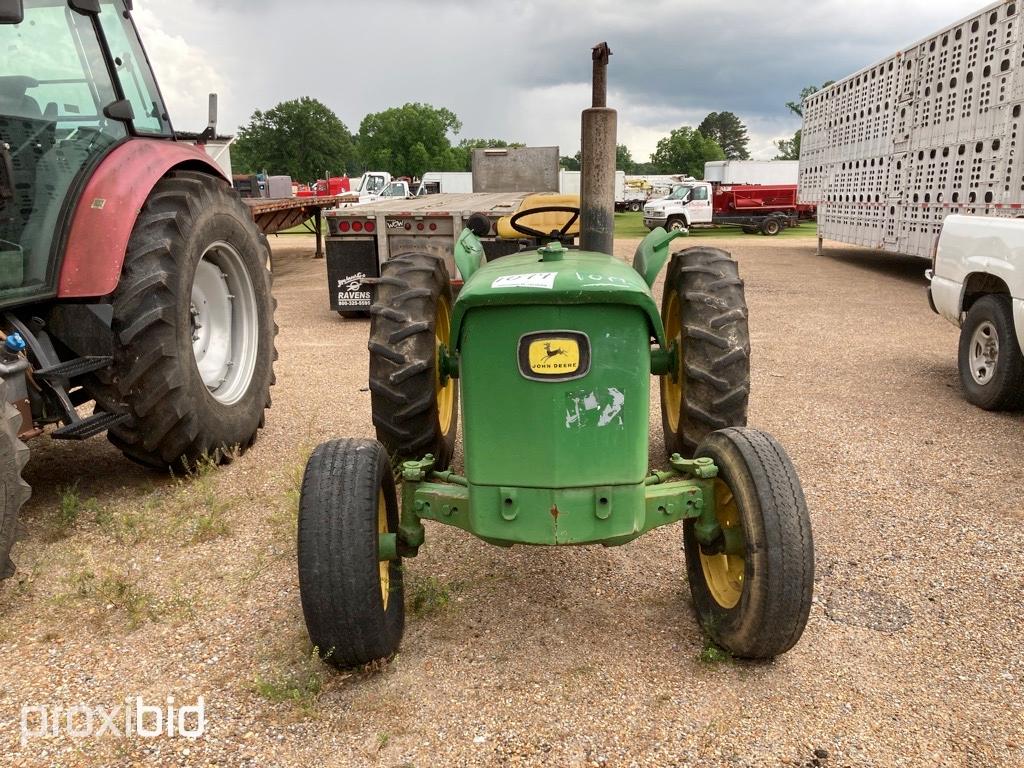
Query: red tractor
x,y
132,277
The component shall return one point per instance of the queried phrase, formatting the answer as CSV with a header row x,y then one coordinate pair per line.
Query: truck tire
x,y
705,316
748,230
415,409
635,206
990,360
353,603
771,226
13,458
753,602
193,326
677,224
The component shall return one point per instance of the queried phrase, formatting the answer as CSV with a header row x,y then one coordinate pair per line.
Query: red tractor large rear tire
x,y
193,324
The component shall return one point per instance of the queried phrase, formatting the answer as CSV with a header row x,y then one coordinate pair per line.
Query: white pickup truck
x,y
977,283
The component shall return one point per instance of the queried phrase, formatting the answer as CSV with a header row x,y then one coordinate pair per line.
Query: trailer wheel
x,y
15,491
771,226
352,601
705,316
415,408
193,320
990,360
748,230
752,587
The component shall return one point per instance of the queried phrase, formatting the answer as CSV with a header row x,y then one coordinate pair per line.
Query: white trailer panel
x,y
752,171
888,152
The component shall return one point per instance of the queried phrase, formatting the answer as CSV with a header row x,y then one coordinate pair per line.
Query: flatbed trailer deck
x,y
273,215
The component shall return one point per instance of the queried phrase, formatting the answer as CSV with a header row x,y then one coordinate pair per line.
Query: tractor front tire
x,y
705,317
989,360
193,323
15,491
352,601
415,408
753,601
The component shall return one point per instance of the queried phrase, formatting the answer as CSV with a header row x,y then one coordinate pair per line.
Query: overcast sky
x,y
520,69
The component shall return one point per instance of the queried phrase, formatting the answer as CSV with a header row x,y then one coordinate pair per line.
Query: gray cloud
x,y
520,69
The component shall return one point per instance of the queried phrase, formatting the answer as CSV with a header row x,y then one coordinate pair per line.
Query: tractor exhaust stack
x,y
597,181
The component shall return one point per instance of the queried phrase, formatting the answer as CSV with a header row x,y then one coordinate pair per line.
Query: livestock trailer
x,y
888,152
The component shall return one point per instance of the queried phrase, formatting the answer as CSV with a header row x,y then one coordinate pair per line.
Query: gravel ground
x,y
132,584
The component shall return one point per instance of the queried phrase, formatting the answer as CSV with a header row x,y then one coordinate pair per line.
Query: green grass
x,y
631,225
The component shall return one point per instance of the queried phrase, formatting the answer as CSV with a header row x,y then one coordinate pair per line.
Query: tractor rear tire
x,y
194,389
989,360
705,316
755,604
353,602
413,412
13,458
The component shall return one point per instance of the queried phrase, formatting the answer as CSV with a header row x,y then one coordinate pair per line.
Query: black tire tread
x,y
14,456
403,359
147,379
716,346
337,554
1005,392
778,592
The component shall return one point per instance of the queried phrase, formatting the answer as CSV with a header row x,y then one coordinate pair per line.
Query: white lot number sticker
x,y
528,280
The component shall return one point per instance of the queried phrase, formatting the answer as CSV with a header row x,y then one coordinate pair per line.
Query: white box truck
x,y
768,172
892,150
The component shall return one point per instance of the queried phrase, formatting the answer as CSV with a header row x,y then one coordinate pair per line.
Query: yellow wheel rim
x,y
724,573
384,565
446,391
672,385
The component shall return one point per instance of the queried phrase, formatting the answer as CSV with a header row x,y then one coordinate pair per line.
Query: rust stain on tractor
x,y
554,511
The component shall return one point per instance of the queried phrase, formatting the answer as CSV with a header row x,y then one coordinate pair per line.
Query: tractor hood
x,y
571,277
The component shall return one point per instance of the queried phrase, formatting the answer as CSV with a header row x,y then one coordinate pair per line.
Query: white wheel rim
x,y
984,353
225,323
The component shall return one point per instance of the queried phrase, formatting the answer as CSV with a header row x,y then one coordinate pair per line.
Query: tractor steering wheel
x,y
555,234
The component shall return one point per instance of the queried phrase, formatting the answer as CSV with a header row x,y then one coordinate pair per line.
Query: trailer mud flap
x,y
348,264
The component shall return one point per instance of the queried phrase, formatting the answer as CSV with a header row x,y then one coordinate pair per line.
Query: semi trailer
x,y
892,150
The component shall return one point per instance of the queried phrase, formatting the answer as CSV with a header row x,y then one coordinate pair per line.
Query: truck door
x,y
699,207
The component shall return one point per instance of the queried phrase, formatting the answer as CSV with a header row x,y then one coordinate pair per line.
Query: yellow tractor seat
x,y
542,222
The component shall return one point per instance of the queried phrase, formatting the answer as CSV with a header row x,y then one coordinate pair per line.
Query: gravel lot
x,y
133,584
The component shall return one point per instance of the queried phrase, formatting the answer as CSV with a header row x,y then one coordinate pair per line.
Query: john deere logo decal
x,y
555,355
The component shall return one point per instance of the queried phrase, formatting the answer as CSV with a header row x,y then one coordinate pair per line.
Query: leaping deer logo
x,y
550,352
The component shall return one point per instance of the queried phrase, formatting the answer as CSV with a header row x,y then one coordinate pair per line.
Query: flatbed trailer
x,y
361,238
273,215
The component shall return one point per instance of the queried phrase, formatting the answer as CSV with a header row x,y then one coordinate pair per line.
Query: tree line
x,y
304,139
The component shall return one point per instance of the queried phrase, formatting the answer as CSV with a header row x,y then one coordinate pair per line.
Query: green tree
x,y
730,133
624,159
789,149
300,138
568,163
409,140
797,107
685,151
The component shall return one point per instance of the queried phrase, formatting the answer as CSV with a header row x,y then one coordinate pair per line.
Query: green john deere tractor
x,y
552,349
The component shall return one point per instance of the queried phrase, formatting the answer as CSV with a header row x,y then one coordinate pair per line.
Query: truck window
x,y
699,193
681,193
